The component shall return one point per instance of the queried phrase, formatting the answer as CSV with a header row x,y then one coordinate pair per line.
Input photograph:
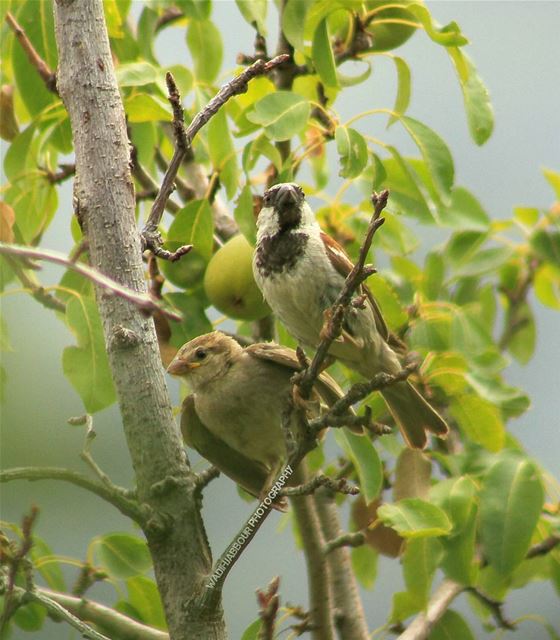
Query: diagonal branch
x,y
237,85
141,300
43,69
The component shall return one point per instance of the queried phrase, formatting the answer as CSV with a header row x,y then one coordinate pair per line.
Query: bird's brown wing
x,y
343,265
327,387
247,473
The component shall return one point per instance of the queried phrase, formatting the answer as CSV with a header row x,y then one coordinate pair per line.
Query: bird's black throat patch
x,y
280,252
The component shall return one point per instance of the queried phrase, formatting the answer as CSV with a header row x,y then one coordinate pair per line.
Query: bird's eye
x,y
267,198
200,354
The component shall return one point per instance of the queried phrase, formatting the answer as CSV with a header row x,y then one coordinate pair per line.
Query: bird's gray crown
x,y
286,199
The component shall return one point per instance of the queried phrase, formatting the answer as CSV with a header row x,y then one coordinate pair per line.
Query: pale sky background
x,y
516,49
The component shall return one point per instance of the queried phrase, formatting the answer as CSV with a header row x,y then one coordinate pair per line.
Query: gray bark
x,y
104,201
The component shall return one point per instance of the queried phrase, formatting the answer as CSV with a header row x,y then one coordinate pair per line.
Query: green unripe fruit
x,y
229,282
389,36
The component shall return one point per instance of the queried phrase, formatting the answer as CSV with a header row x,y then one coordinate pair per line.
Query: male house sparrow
x,y
300,271
234,416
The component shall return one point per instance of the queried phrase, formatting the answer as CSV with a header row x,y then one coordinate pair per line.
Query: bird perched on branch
x,y
234,416
300,271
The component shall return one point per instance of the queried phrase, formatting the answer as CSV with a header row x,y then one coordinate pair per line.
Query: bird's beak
x,y
287,196
179,367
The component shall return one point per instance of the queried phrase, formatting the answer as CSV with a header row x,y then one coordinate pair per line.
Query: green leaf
x,y
404,606
407,191
86,365
553,179
222,152
282,114
457,497
196,9
419,562
195,322
522,344
205,44
451,625
415,518
435,153
464,245
36,19
254,12
244,215
136,74
364,564
449,36
352,149
47,565
30,617
322,55
142,107
144,596
403,90
511,500
122,555
434,275
252,631
260,146
393,311
293,22
193,224
486,261
464,212
480,115
547,285
460,552
546,244
479,420
366,461
346,80
528,216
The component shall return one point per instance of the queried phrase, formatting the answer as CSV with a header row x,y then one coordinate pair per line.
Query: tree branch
x,y
421,626
114,495
141,300
320,480
237,85
350,619
43,69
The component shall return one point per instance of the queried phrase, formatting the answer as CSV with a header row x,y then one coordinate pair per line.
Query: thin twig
x,y
320,480
66,171
269,603
140,300
335,316
151,237
204,478
544,547
125,505
43,69
495,608
351,539
48,300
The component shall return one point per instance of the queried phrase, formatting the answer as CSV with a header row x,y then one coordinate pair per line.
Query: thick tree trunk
x,y
104,201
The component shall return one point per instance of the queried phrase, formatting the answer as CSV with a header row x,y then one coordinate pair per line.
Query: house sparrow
x,y
234,416
300,271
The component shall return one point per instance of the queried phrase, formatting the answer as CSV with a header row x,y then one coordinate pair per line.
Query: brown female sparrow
x,y
300,271
234,416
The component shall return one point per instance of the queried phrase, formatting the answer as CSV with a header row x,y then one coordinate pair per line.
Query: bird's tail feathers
x,y
413,414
